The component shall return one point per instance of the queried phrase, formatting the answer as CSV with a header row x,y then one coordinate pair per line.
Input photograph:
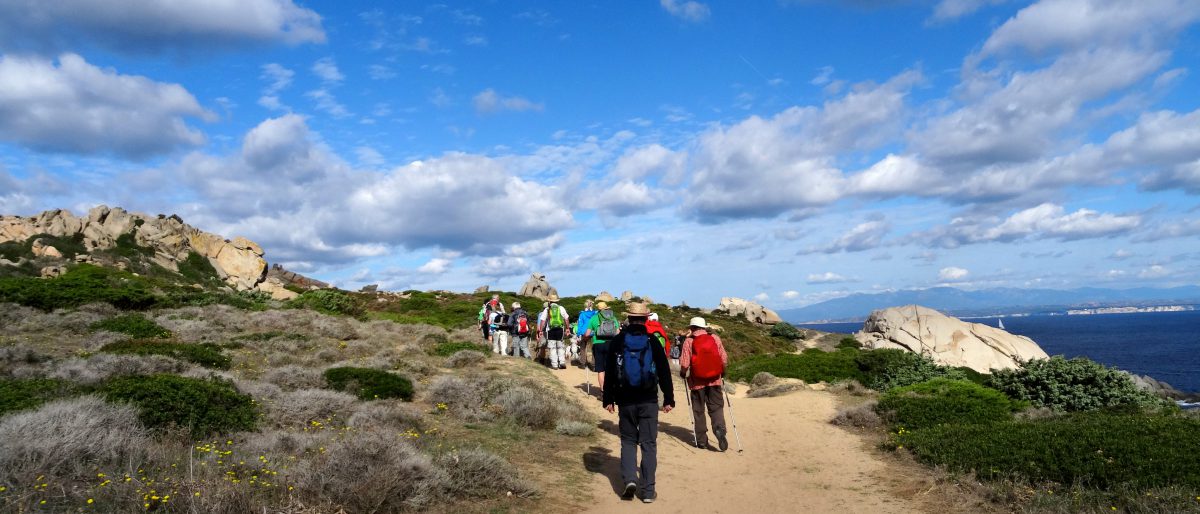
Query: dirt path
x,y
793,461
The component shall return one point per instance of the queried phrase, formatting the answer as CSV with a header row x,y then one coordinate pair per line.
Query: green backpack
x,y
555,317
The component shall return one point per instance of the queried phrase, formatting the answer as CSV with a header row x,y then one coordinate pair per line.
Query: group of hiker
x,y
633,360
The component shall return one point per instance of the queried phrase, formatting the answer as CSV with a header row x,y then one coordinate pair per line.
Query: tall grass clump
x,y
1071,385
202,406
133,324
368,383
205,354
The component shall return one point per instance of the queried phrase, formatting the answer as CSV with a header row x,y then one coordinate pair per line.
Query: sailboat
x,y
1000,323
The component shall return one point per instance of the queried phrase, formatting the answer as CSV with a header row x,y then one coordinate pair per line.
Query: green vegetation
x,y
328,301
786,331
198,269
78,286
203,406
205,354
369,384
1100,449
888,368
451,348
133,324
811,365
18,395
849,343
126,246
1070,385
943,401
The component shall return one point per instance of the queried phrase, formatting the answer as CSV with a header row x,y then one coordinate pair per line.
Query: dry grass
x,y
100,367
465,358
373,471
859,416
66,439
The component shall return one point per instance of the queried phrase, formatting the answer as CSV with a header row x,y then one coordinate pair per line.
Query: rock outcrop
x,y
750,310
537,287
605,296
948,340
294,279
239,262
482,289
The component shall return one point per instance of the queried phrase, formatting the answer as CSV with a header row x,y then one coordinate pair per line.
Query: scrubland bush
x,y
18,357
786,330
202,406
22,394
98,368
386,415
80,285
860,416
465,397
68,438
373,471
448,349
300,408
295,377
369,384
529,407
888,368
479,473
1069,385
327,301
205,354
811,365
464,358
944,401
133,324
848,343
574,428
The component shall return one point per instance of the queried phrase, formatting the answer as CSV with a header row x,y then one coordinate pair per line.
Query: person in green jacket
x,y
602,328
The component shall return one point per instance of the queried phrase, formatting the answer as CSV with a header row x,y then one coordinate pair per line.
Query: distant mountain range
x,y
985,302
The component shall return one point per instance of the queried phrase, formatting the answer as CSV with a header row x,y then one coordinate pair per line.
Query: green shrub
x,y
1100,449
203,406
18,395
205,354
849,343
1069,385
812,365
451,348
369,384
13,251
133,324
943,401
126,246
80,285
327,301
888,368
198,269
785,330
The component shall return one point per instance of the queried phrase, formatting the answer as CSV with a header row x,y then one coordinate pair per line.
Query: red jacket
x,y
655,327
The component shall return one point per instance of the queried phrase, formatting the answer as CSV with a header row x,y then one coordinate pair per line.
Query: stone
x,y
372,288
1156,387
537,287
765,385
53,271
83,257
482,289
605,296
752,311
6,262
627,296
948,340
276,289
41,249
245,267
242,243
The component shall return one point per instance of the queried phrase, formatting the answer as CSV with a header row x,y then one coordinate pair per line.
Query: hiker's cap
x,y
638,310
516,305
602,305
653,316
552,298
697,322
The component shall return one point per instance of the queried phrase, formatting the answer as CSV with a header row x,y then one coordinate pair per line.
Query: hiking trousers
x,y
638,425
556,355
708,398
520,346
499,342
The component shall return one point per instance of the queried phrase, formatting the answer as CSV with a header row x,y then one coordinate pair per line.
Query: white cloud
x,y
791,295
1076,24
1155,271
688,10
864,236
762,297
500,267
368,156
279,79
828,277
624,198
489,101
435,266
1045,221
80,108
1121,254
951,9
952,274
1170,230
537,248
326,69
326,102
651,160
139,26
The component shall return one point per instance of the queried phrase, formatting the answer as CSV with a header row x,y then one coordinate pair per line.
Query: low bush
x,y
205,354
127,246
301,408
69,439
860,416
1101,449
529,407
373,471
812,365
16,395
328,301
1070,385
464,358
203,406
368,383
785,330
80,285
133,324
848,343
463,396
574,428
479,473
198,269
386,415
100,367
888,368
943,401
451,348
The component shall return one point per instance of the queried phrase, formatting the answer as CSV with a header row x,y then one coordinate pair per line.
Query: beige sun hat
x,y
552,298
639,310
698,322
602,305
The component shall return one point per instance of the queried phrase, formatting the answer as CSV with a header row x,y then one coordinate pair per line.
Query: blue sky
x,y
789,151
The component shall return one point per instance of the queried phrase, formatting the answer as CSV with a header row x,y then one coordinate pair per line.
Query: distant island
x,y
1126,310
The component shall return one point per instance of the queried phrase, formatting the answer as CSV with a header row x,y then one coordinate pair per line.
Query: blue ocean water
x,y
1163,345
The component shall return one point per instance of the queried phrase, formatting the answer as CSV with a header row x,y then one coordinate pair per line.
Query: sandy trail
x,y
793,460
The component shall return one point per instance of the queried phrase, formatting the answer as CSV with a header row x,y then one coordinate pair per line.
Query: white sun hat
x,y
698,322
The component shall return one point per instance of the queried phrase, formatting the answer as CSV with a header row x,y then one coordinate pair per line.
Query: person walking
x,y
602,328
639,370
500,327
702,363
579,347
520,326
553,321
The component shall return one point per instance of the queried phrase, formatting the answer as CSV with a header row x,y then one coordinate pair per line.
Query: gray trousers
x,y
639,428
708,398
520,346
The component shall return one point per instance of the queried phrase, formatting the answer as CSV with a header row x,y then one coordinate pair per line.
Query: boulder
x,y
948,340
41,249
53,271
627,296
482,289
1156,387
370,288
245,267
537,287
766,385
752,311
605,296
276,289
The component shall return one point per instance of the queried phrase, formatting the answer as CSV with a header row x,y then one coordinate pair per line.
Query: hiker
x,y
553,322
485,316
520,327
578,341
639,370
602,327
655,327
702,362
500,333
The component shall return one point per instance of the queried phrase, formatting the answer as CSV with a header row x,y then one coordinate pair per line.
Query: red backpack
x,y
706,358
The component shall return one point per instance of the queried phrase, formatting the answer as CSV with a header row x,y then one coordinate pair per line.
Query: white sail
x,y
1000,323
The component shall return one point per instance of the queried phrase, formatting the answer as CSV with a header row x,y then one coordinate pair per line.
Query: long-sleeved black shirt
x,y
613,390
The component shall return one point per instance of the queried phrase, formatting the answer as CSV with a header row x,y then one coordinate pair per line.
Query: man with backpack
x,y
702,362
578,341
499,333
553,321
485,315
520,326
639,370
602,328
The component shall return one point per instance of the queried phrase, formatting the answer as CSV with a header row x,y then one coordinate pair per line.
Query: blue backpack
x,y
637,362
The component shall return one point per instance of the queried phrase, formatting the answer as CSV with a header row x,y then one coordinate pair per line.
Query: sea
x,y
1163,345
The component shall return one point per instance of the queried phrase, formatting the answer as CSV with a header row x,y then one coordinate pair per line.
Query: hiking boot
x,y
649,498
630,488
722,442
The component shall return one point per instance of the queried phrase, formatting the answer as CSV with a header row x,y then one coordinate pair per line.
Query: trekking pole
x,y
687,393
732,418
